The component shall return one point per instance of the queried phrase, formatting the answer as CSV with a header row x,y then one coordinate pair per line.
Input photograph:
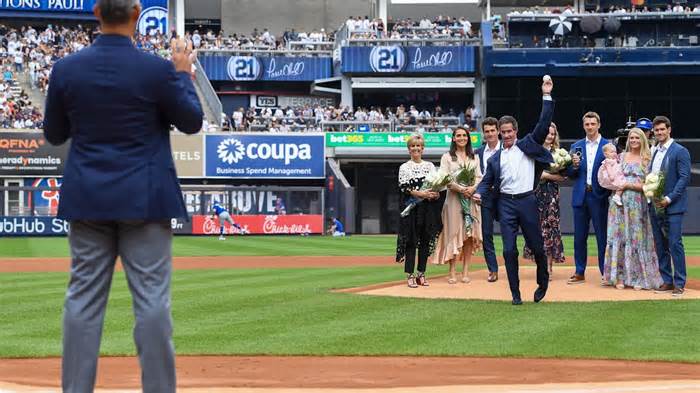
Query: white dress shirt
x,y
517,171
488,152
591,151
660,153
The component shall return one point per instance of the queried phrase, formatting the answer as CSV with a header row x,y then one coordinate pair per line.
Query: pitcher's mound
x,y
559,290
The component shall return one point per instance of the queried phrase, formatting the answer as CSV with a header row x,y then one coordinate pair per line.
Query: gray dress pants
x,y
145,249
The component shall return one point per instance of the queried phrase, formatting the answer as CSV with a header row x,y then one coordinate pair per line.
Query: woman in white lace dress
x,y
421,227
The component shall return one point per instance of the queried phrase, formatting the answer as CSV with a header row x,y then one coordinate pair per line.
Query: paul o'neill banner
x,y
392,139
292,224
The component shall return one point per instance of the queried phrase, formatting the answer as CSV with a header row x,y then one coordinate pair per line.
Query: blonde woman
x,y
630,257
419,230
547,195
458,242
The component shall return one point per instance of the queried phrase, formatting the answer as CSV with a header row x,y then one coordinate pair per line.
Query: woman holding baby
x,y
630,258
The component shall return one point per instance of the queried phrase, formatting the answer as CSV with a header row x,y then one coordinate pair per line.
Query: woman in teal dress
x,y
630,257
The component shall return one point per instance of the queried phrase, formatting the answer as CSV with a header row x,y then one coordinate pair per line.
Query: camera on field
x,y
621,136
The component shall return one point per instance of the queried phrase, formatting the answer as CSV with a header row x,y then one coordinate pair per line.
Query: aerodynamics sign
x,y
29,154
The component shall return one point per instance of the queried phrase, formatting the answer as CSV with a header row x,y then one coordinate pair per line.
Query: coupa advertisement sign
x,y
29,154
260,156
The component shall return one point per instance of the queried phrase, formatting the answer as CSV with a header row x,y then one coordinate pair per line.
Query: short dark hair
x,y
508,119
662,119
489,121
116,12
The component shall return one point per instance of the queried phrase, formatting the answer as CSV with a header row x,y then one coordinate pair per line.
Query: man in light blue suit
x,y
120,190
673,160
588,198
511,177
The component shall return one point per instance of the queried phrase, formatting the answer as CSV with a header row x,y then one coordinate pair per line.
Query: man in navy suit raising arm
x,y
120,190
511,177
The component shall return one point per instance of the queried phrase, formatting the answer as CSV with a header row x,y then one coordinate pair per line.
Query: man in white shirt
x,y
589,200
511,176
237,117
489,128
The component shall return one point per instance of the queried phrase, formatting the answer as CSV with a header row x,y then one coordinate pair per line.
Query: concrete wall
x,y
277,15
203,9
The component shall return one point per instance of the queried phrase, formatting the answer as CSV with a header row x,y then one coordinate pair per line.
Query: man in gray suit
x,y
120,190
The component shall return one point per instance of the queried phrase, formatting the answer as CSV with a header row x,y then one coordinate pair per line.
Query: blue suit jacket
x,y
676,169
531,146
116,104
579,191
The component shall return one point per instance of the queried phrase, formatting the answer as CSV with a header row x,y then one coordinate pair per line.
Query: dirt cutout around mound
x,y
559,290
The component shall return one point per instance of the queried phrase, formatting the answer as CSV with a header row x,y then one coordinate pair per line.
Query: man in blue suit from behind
x,y
589,199
673,160
120,190
511,177
489,128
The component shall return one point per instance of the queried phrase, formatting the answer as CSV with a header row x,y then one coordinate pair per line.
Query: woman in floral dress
x,y
547,194
630,257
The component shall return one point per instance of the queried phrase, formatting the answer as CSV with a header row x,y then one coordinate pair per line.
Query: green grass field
x,y
359,245
291,311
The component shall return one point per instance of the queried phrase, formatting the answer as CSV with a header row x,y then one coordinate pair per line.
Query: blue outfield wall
x,y
399,60
259,68
590,62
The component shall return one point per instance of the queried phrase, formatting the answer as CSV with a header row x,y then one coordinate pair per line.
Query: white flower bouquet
x,y
654,188
435,181
465,176
562,159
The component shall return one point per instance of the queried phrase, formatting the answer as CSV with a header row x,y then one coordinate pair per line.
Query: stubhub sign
x,y
32,226
272,156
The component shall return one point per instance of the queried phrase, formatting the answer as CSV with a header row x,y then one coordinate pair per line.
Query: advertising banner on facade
x,y
275,68
188,154
29,154
265,156
392,139
293,224
32,226
44,202
154,14
258,101
396,59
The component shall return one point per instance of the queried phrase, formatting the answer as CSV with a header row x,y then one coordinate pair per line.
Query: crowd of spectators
x,y
613,9
259,40
34,51
331,118
16,110
425,28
